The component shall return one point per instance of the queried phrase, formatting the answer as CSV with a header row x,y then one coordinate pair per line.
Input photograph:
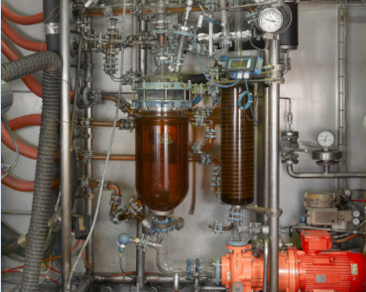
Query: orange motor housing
x,y
310,270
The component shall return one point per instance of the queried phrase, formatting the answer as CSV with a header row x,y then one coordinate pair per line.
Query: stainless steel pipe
x,y
84,284
65,142
263,198
325,174
274,132
151,279
142,66
265,268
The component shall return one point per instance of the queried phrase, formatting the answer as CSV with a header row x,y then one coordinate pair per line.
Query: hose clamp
x,y
52,28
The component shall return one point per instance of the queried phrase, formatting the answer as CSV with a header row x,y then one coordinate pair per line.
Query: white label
x,y
354,269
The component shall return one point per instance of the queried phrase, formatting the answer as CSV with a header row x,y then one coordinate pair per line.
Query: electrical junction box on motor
x,y
314,241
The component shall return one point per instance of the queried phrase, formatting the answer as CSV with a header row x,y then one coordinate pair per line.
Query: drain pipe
x,y
274,133
66,198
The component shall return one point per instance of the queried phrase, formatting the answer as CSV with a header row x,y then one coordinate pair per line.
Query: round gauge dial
x,y
325,139
270,20
356,221
356,213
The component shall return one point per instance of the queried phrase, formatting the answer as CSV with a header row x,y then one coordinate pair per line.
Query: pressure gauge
x,y
356,221
356,213
325,139
270,20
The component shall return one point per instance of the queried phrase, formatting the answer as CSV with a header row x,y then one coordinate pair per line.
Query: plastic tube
x,y
29,80
24,20
19,40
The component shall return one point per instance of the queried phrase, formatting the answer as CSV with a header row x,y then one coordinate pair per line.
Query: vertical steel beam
x,y
142,66
65,142
273,130
263,197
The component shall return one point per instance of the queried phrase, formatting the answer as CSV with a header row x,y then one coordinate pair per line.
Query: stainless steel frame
x,y
65,142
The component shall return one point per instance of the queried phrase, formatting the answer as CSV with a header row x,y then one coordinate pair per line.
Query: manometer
x,y
356,213
270,20
356,221
325,139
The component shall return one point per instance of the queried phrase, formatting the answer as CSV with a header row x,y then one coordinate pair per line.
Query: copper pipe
x,y
115,100
110,186
216,110
94,123
115,157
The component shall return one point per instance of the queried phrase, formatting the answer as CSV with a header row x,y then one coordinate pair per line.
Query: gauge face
x,y
325,139
356,221
356,213
270,20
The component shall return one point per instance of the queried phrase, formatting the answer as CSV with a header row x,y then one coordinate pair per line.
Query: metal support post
x,y
274,132
65,142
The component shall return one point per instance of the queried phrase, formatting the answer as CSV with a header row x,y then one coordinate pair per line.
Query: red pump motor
x,y
314,269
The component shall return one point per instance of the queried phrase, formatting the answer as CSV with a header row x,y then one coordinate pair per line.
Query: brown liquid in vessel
x,y
162,159
237,150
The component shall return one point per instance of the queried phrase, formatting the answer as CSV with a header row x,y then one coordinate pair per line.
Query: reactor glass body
x,y
162,159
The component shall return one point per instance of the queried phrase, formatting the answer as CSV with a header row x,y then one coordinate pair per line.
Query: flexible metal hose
x,y
36,237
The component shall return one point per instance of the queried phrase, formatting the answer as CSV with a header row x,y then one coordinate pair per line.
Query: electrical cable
x,y
120,265
203,71
100,192
249,103
16,148
104,171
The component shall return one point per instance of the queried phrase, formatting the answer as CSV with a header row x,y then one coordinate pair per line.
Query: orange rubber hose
x,y
24,20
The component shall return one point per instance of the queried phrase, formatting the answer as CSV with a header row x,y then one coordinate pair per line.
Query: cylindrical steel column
x,y
273,159
263,196
143,50
89,195
142,67
65,142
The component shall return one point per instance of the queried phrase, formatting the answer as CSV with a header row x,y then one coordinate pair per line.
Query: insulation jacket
x,y
29,80
25,20
51,14
19,40
51,64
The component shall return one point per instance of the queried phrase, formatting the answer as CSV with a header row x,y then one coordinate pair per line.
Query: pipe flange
x,y
326,155
326,163
161,213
